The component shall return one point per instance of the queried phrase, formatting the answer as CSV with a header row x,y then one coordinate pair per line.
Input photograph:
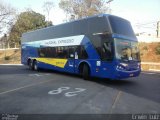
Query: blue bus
x,y
102,46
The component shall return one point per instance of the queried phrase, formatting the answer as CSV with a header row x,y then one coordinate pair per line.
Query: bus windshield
x,y
121,26
126,50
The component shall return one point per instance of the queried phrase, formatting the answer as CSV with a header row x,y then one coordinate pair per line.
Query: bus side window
x,y
81,52
41,52
65,52
47,52
107,51
71,52
53,53
62,52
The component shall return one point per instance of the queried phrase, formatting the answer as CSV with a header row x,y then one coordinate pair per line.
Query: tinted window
x,y
71,51
61,52
48,52
80,27
104,47
121,26
81,52
97,25
96,41
41,52
106,51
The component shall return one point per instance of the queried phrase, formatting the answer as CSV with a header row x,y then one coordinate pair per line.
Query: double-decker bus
x,y
102,46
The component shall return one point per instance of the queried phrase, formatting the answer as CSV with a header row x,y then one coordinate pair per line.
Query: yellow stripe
x,y
52,61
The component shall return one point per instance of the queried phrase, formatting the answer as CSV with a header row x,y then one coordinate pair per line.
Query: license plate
x,y
131,75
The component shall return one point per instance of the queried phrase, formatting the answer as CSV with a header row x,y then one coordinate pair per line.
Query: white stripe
x,y
65,41
10,49
150,63
23,87
149,73
12,64
154,70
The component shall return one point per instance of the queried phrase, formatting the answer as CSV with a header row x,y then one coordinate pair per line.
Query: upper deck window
x,y
121,26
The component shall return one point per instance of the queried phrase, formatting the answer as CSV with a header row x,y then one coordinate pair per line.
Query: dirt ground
x,y
148,52
13,56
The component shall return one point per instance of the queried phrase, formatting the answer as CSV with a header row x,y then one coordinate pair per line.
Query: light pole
x,y
5,41
158,29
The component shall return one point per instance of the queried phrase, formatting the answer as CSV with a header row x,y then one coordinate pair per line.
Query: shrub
x,y
158,50
6,57
145,48
15,50
141,54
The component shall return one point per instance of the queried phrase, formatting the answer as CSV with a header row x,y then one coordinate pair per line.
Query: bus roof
x,y
89,25
99,15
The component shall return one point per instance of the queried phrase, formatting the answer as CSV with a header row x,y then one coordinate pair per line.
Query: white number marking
x,y
70,94
67,94
58,91
38,75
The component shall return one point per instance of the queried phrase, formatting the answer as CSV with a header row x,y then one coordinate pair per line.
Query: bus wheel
x,y
85,73
35,66
30,65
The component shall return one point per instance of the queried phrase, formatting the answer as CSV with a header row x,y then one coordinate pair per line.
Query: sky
x,y
143,14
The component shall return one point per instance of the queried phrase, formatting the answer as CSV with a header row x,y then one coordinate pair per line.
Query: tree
x,y
26,21
47,6
7,14
83,8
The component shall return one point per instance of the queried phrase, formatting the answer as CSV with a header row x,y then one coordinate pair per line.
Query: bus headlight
x,y
124,64
139,65
119,67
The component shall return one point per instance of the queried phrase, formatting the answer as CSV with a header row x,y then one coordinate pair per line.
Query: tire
x,y
86,72
30,64
35,66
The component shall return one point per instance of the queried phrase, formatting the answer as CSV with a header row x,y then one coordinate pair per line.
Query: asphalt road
x,y
46,92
